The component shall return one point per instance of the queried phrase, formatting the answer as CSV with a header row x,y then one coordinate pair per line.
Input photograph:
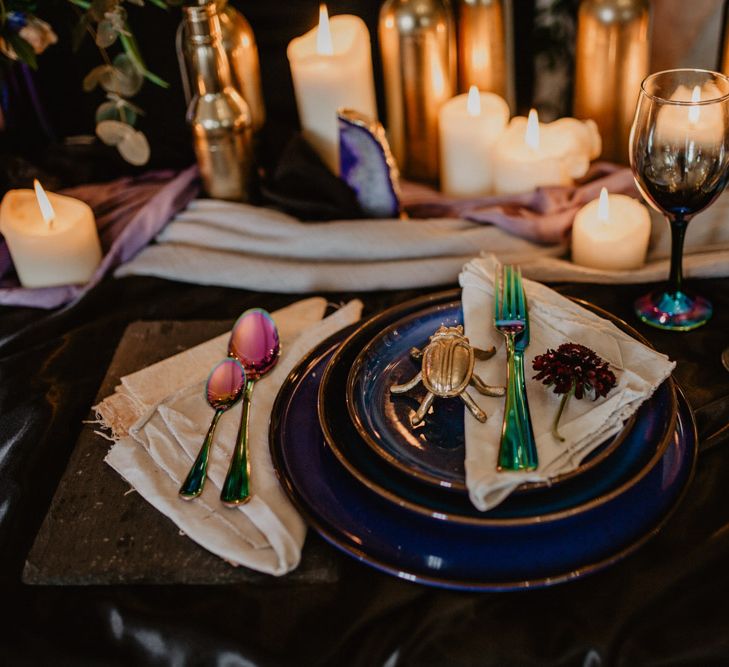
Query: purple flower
x,y
573,369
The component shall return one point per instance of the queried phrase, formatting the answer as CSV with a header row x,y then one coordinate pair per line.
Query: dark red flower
x,y
573,369
574,366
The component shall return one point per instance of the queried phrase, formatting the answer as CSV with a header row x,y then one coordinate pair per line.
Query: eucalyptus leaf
x,y
134,148
106,34
112,132
118,111
94,77
123,78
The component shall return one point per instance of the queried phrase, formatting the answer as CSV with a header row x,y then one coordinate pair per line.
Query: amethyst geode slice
x,y
367,165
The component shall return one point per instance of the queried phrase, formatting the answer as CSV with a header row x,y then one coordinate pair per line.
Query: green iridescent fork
x,y
517,450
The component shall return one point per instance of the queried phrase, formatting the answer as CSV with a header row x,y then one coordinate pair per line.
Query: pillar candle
x,y
469,126
611,233
530,154
331,66
52,240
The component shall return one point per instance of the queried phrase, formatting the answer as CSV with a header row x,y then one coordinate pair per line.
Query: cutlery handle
x,y
193,485
237,485
518,450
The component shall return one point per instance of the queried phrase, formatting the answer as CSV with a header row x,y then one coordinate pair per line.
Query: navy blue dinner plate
x,y
493,556
433,451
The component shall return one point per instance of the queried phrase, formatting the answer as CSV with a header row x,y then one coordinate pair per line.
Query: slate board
x,y
96,533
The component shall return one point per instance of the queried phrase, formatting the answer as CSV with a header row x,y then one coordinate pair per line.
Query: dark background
x,y
70,111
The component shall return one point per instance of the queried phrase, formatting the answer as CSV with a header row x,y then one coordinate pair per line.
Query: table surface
x,y
664,604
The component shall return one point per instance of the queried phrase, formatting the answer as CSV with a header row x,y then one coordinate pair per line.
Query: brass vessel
x,y
724,55
417,38
240,46
482,46
218,115
612,58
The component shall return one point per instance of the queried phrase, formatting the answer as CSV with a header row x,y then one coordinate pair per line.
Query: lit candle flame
x,y
45,206
324,44
473,106
532,131
603,207
694,112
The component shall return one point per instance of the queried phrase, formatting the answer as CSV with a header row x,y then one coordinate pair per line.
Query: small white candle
x,y
52,238
611,233
331,66
469,126
530,154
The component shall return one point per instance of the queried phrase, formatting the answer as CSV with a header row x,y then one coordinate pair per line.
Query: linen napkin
x,y
585,424
159,417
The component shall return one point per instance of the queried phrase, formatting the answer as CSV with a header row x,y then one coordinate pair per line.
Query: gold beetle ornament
x,y
447,371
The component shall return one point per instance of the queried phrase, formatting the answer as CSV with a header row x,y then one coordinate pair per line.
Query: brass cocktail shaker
x,y
724,55
240,46
611,60
219,116
482,46
417,38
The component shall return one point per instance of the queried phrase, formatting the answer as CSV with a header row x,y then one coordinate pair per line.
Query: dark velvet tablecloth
x,y
667,604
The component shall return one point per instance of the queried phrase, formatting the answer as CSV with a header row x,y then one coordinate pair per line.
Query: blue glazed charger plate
x,y
493,556
640,450
433,451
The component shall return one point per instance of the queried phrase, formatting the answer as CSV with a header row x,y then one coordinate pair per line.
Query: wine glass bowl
x,y
679,154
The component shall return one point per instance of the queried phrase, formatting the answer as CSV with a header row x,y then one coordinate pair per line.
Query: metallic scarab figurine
x,y
447,370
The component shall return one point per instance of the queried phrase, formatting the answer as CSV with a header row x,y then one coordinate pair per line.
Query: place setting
x,y
381,326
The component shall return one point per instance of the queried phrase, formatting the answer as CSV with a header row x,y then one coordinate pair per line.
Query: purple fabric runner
x,y
544,215
129,213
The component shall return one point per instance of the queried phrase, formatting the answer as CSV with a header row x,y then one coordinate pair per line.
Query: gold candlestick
x,y
481,46
611,60
417,38
724,55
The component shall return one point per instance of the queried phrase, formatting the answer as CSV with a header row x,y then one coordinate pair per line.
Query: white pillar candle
x,y
331,66
611,233
52,239
530,154
469,126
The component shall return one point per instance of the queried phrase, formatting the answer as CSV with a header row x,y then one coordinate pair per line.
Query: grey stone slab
x,y
96,532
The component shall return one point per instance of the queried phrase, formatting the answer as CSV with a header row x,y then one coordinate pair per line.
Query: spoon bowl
x,y
223,390
255,343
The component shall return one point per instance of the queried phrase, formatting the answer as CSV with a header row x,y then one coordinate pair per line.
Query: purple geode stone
x,y
366,164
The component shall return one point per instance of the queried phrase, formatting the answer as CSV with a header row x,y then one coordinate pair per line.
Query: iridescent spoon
x,y
223,390
254,342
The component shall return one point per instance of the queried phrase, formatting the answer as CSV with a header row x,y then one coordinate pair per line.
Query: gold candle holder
x,y
612,57
482,46
417,38
724,55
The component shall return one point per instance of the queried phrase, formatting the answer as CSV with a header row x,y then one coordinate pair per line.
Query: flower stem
x,y
562,403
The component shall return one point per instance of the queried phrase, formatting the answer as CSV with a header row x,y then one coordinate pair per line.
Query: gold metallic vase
x,y
612,57
218,115
417,38
240,47
724,55
482,46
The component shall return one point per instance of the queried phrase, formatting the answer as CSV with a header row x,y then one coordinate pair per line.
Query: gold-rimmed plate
x,y
433,451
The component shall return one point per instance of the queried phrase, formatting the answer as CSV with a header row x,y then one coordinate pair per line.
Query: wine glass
x,y
679,154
